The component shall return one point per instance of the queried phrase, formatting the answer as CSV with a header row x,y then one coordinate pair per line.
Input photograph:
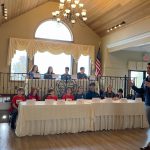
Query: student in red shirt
x,y
34,94
51,95
68,94
14,106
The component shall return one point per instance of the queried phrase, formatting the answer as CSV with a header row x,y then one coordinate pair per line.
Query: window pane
x,y
58,62
19,65
84,61
138,77
53,30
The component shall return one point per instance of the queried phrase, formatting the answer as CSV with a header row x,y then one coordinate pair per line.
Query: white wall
x,y
116,63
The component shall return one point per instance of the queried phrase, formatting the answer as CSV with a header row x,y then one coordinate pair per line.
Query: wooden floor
x,y
102,140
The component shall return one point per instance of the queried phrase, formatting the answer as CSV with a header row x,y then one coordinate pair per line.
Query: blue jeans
x,y
148,114
14,115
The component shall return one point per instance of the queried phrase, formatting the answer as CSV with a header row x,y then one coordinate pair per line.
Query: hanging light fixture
x,y
70,11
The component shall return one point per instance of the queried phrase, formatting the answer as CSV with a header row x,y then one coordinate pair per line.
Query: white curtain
x,y
34,45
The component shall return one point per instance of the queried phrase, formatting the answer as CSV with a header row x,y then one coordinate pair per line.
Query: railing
x,y
10,82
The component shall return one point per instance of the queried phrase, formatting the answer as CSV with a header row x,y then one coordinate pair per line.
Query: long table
x,y
72,117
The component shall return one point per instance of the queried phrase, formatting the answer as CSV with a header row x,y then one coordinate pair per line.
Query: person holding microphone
x,y
145,90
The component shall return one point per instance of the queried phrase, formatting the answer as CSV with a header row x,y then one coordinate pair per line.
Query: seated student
x,y
34,73
91,92
68,94
66,75
14,106
34,94
49,73
109,93
81,74
119,94
51,95
80,94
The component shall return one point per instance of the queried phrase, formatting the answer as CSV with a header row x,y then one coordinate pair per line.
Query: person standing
x,y
145,90
66,75
81,74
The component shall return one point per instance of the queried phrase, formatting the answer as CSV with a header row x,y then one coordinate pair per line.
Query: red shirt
x,y
16,99
36,97
68,97
50,97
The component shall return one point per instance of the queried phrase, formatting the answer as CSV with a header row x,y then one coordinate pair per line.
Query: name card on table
x,y
107,100
138,100
124,100
49,101
80,101
31,101
60,102
96,100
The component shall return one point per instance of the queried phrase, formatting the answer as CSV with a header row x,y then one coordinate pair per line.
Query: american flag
x,y
98,65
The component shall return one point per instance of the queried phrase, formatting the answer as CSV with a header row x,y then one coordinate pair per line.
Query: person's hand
x,y
130,83
147,83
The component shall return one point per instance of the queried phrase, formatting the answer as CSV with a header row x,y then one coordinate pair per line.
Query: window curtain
x,y
34,45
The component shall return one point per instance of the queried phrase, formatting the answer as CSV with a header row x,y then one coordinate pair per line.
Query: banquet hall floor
x,y
130,139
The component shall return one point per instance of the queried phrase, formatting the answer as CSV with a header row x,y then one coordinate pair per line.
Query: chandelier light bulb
x,y
58,19
73,6
81,5
54,13
65,15
62,1
83,13
73,21
108,30
84,18
77,14
67,11
69,1
57,12
76,2
61,6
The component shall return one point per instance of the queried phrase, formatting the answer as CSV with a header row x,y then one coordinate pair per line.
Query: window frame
x,y
71,33
27,68
90,66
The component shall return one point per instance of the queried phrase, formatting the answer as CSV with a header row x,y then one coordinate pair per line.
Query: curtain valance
x,y
34,45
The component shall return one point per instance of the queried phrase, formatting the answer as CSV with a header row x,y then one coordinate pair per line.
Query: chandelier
x,y
70,11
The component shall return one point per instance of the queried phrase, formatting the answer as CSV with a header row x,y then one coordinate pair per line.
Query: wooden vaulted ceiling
x,y
102,14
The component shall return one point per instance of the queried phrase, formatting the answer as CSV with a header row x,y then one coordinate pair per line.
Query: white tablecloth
x,y
43,119
118,115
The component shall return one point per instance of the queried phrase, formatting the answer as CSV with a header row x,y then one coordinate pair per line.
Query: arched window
x,y
53,30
